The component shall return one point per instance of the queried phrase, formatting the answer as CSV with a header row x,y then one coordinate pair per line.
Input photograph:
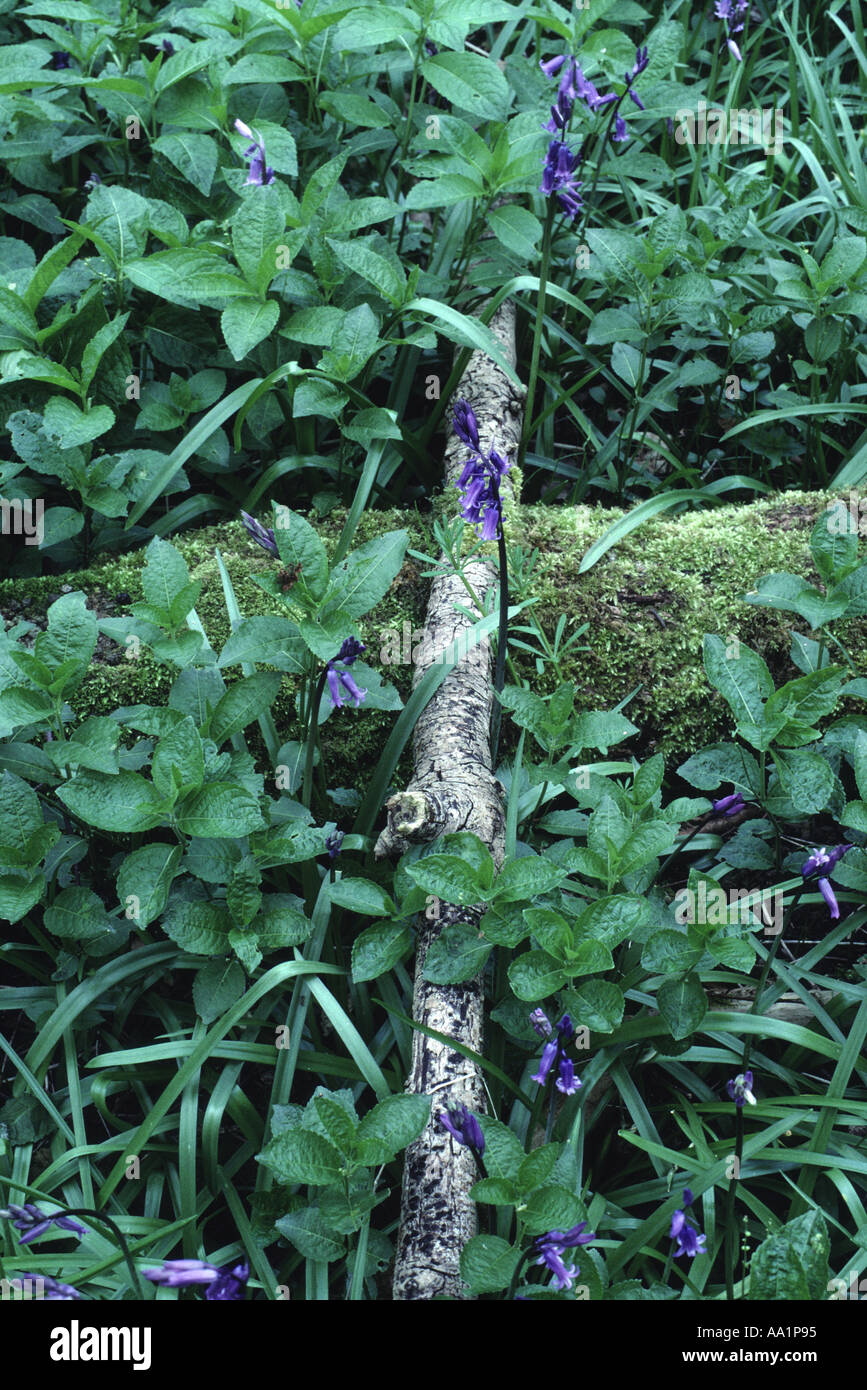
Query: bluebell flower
x,y
465,425
167,47
333,843
262,535
551,66
823,862
479,483
92,181
558,176
567,1082
729,805
689,1242
337,680
224,1283
61,59
552,1246
463,1126
620,130
549,1054
52,1290
31,1221
741,1089
260,172
541,1023
731,11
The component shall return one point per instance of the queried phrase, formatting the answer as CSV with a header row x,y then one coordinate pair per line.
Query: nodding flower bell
x,y
463,1126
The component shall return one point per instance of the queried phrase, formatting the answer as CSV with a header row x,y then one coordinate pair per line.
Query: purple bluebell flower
x,y
167,47
224,1283
729,805
549,1054
260,173
824,861
551,66
92,181
551,1248
465,425
337,680
567,1082
620,130
333,843
463,1126
689,1242
541,1023
32,1222
262,535
479,483
731,12
830,898
558,176
61,59
741,1089
566,1029
52,1290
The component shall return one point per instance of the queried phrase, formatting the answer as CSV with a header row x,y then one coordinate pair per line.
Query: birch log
x,y
453,788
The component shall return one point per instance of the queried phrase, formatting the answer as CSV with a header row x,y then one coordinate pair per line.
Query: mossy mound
x,y
647,604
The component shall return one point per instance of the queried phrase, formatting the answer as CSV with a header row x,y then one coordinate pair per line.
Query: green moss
x,y
688,571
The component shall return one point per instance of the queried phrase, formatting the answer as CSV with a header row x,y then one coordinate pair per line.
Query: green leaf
x,y
123,804
448,877
22,814
535,975
245,701
517,229
504,1152
299,1156
72,632
668,952
144,880
390,1126
682,1004
595,1004
311,1235
193,155
202,928
792,594
457,954
444,191
282,922
551,1209
792,1264
245,322
298,544
361,895
178,762
187,277
470,82
488,1264
360,581
743,680
217,986
274,641
527,878
378,948
165,574
378,270
19,895
221,810
78,915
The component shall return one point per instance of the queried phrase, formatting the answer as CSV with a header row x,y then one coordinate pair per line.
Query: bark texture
x,y
453,788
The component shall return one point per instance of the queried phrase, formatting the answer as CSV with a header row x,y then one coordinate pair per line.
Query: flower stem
x,y
537,329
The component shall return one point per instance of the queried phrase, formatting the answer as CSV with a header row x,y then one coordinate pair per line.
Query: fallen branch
x,y
453,788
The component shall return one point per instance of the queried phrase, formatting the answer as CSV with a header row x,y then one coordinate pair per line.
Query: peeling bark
x,y
453,788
